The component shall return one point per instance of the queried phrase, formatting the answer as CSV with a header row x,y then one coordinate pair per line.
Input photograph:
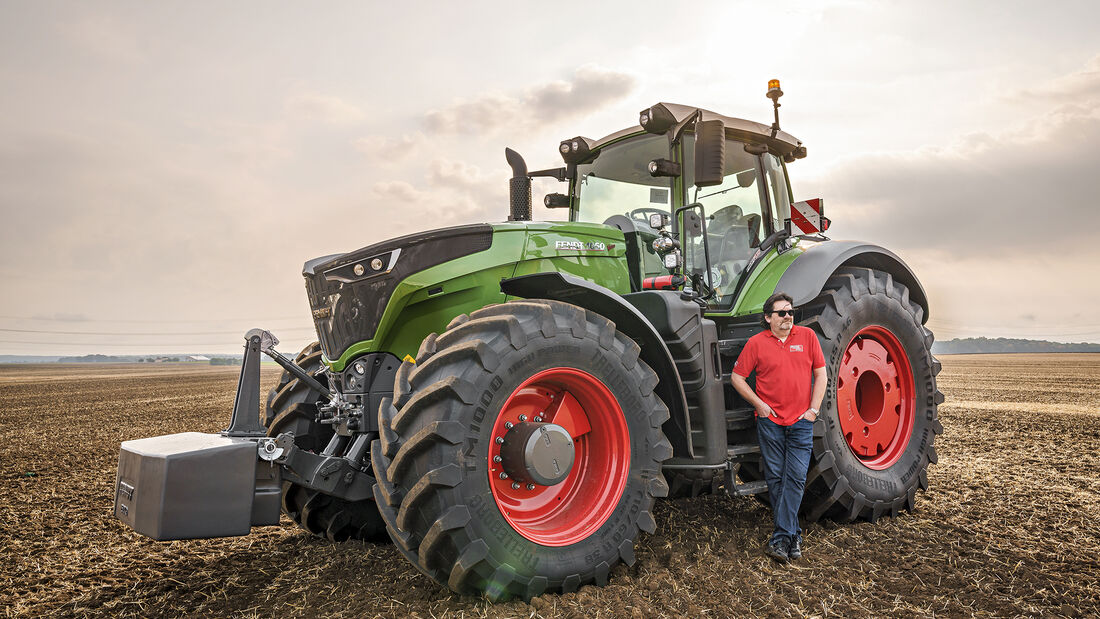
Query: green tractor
x,y
506,401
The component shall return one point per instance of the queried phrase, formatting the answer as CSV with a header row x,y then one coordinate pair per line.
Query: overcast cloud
x,y
167,168
1029,188
542,105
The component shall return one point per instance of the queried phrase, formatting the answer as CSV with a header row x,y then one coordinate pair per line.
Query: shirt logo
x,y
796,347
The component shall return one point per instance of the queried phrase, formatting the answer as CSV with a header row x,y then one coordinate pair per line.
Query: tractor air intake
x,y
519,188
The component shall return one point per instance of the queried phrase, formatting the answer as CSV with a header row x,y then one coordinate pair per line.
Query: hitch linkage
x,y
334,475
246,418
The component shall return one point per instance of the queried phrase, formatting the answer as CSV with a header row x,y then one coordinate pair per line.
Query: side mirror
x,y
710,152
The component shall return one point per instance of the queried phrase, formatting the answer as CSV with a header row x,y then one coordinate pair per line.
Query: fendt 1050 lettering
x,y
506,401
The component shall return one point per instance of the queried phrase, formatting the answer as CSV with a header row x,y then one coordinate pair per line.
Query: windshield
x,y
618,182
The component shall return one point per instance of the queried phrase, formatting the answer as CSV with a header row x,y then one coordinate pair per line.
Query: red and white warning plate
x,y
807,215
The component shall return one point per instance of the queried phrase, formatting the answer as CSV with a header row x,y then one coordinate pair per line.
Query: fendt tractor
x,y
506,401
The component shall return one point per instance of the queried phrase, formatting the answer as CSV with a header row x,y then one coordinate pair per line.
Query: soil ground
x,y
1008,527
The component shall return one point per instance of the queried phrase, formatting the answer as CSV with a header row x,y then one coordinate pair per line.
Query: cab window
x,y
777,189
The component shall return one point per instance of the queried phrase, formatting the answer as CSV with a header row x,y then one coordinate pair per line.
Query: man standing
x,y
785,359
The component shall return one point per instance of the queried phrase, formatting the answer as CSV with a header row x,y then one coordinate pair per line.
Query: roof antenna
x,y
774,93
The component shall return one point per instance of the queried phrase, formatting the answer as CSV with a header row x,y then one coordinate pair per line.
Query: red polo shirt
x,y
784,370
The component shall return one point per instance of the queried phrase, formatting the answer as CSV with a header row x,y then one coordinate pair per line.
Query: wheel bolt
x,y
500,440
515,485
530,486
503,475
508,424
497,458
523,417
537,419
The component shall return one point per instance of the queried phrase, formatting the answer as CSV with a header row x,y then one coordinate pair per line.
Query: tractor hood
x,y
348,292
389,296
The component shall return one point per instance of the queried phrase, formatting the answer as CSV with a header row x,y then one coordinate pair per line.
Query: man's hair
x,y
769,305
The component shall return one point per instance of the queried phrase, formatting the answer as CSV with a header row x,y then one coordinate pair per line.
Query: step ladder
x,y
736,456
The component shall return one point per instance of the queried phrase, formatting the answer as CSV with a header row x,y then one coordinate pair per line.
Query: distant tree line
x,y
94,359
1007,345
225,361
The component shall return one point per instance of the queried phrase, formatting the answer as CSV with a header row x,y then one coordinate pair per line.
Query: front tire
x,y
440,488
873,441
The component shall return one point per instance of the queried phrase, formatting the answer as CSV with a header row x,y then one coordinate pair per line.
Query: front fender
x,y
634,324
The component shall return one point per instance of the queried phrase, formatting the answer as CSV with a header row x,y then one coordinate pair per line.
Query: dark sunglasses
x,y
784,313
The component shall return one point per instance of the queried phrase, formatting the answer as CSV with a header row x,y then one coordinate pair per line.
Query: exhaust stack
x,y
519,188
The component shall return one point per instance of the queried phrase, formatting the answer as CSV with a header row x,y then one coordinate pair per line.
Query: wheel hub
x,y
539,453
559,457
875,397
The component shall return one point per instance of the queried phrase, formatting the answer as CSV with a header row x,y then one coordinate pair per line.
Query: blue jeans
x,y
785,451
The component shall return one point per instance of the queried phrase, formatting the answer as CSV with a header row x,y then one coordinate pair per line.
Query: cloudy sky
x,y
166,168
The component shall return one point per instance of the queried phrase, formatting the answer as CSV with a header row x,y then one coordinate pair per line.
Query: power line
x,y
159,334
199,320
117,344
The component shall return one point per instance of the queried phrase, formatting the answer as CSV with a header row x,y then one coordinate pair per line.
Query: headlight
x,y
662,244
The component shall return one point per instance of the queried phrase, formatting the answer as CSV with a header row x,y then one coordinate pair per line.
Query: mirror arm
x,y
706,246
561,174
677,132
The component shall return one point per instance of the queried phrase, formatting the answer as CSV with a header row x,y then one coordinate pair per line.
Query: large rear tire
x,y
292,407
470,521
873,441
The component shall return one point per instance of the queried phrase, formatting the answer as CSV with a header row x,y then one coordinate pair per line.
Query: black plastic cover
x,y
347,307
693,343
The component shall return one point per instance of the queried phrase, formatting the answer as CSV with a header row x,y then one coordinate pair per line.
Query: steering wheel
x,y
646,210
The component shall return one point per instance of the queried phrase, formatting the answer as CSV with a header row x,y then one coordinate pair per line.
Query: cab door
x,y
737,214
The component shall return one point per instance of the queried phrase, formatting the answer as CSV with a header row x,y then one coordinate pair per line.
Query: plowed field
x,y
1010,524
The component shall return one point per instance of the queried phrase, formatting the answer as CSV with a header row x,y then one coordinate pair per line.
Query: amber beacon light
x,y
774,91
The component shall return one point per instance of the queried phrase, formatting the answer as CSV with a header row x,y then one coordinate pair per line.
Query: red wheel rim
x,y
874,390
570,511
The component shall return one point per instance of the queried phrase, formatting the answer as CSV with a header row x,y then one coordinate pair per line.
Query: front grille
x,y
348,307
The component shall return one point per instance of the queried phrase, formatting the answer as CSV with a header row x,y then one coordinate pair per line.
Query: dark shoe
x,y
777,549
795,549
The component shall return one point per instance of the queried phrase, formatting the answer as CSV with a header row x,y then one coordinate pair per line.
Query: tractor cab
x,y
720,182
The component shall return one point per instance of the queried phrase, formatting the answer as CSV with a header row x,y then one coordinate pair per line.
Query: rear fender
x,y
634,324
806,276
